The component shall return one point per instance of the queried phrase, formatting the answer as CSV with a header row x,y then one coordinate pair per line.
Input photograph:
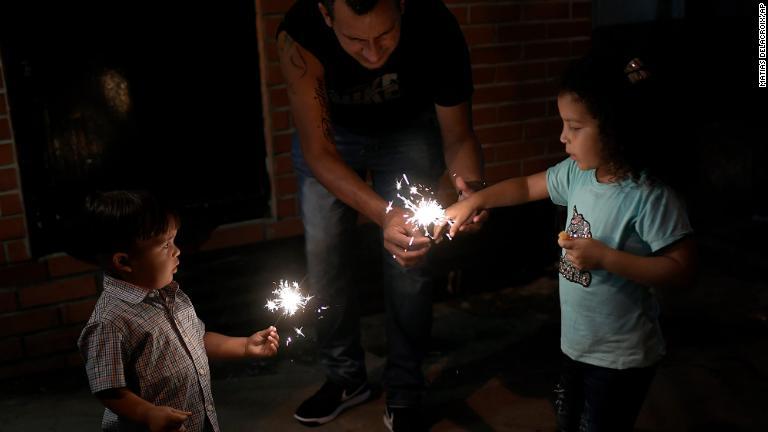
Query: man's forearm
x,y
344,183
464,159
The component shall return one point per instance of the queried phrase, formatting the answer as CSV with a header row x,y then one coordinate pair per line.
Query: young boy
x,y
146,351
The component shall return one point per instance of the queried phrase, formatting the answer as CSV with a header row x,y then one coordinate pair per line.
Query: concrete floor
x,y
493,357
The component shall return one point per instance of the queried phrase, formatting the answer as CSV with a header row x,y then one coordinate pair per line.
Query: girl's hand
x,y
263,343
461,213
474,223
584,253
166,419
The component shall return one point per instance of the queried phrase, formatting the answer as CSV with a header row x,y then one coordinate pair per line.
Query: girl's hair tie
x,y
635,70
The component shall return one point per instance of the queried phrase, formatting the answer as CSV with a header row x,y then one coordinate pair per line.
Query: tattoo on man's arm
x,y
325,115
287,46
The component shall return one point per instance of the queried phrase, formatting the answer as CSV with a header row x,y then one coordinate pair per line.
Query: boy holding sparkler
x,y
628,233
146,351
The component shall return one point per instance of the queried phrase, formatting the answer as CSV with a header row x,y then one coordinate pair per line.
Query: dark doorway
x,y
136,94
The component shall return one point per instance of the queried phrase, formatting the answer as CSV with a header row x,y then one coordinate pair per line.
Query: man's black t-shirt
x,y
429,66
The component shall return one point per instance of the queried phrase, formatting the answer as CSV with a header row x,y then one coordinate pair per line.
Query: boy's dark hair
x,y
115,221
359,7
623,94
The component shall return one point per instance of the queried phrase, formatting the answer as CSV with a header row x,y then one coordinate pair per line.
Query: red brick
x,y
10,204
285,228
273,6
460,13
270,24
580,47
270,50
483,74
5,129
3,106
522,32
6,154
556,68
522,111
281,120
8,301
581,10
542,128
533,166
521,150
484,115
17,251
235,235
545,11
489,154
8,179
537,50
496,93
569,29
274,74
12,228
281,143
2,254
64,265
23,274
487,13
278,97
58,291
77,312
10,349
495,54
30,367
521,72
479,35
286,185
282,164
507,132
287,207
497,172
538,89
54,341
28,321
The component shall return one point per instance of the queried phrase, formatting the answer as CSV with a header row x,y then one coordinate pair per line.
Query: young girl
x,y
627,233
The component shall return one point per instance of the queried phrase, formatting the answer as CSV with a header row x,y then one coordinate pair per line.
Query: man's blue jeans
x,y
329,226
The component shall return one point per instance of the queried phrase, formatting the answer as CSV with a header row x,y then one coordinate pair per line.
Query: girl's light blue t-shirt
x,y
607,320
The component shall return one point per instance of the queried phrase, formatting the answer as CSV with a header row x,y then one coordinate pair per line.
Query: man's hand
x,y
475,222
263,343
584,253
407,246
166,419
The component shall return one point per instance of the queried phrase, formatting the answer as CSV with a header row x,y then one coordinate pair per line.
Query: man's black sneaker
x,y
404,419
329,402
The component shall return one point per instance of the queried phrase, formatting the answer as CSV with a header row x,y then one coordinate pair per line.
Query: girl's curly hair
x,y
622,93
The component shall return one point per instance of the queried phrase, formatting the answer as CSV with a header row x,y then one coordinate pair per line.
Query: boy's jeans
x,y
329,227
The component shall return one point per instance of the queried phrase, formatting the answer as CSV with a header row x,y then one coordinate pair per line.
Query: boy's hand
x,y
584,253
263,343
166,419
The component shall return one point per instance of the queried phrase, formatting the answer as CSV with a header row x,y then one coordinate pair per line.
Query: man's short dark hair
x,y
115,221
359,7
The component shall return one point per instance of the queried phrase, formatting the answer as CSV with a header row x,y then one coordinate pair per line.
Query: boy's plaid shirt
x,y
152,343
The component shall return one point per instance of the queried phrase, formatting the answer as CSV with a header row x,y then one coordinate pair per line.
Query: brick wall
x,y
518,48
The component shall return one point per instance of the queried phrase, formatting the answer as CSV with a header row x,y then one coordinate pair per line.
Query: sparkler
x,y
289,298
426,212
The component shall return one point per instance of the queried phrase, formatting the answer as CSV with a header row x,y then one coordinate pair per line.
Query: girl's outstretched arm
x,y
509,192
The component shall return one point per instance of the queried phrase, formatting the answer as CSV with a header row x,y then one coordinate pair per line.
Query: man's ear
x,y
121,263
325,14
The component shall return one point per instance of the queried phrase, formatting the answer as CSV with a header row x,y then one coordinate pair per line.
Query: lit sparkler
x,y
426,211
289,298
